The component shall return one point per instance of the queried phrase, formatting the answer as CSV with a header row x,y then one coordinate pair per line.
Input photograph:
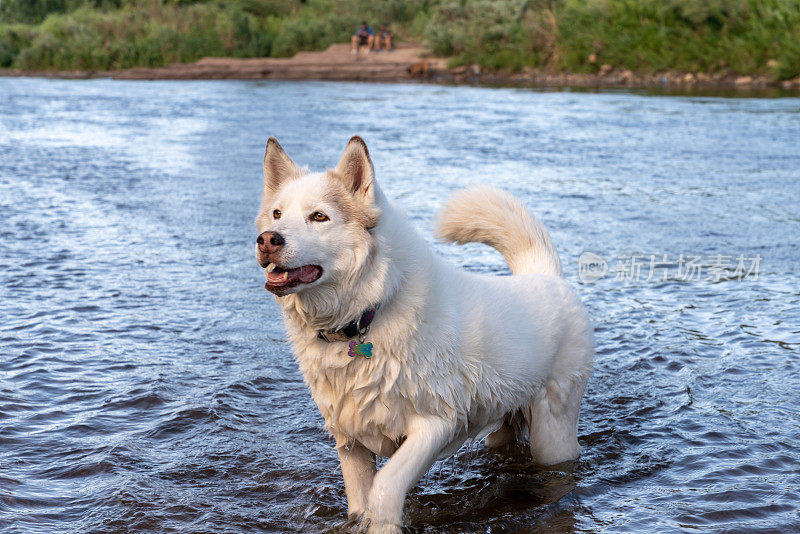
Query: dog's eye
x,y
319,216
276,214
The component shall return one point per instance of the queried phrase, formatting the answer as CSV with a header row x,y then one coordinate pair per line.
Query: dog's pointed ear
x,y
278,167
356,171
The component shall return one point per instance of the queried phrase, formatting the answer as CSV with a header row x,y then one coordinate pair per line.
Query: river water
x,y
146,384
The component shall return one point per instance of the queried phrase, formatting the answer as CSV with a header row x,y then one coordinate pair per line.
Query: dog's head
x,y
314,228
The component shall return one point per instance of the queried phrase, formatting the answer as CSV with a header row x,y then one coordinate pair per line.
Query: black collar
x,y
355,328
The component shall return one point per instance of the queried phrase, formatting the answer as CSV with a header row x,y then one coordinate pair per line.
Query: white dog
x,y
406,356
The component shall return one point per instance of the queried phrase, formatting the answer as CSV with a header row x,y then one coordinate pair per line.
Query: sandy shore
x,y
413,62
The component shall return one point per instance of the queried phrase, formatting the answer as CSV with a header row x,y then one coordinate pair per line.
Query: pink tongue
x,y
277,276
305,274
308,273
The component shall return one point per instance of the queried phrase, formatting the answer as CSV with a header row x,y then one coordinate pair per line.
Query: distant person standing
x,y
385,37
364,36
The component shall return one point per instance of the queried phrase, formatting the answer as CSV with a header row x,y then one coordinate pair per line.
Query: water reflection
x,y
145,383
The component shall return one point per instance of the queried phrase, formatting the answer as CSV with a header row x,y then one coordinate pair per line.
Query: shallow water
x,y
145,383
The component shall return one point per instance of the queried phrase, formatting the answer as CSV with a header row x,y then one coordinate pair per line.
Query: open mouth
x,y
278,278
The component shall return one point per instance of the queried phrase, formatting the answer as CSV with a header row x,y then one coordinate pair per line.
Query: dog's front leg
x,y
424,441
358,470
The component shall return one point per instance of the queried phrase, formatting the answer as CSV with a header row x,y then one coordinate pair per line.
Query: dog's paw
x,y
351,524
385,529
355,515
362,527
368,526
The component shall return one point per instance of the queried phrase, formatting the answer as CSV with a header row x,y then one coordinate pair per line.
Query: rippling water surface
x,y
145,383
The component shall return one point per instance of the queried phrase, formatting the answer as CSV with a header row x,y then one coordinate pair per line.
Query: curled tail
x,y
485,214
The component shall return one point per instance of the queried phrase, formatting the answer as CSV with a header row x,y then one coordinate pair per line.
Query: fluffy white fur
x,y
456,355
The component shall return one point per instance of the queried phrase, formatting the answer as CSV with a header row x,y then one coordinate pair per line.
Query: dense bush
x,y
13,39
497,34
29,11
739,36
736,36
166,33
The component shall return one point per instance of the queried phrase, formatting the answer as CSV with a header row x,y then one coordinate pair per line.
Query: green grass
x,y
737,36
730,36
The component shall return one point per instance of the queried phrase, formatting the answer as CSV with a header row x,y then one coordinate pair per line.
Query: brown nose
x,y
270,242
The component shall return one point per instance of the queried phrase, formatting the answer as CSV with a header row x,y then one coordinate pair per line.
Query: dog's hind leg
x,y
358,471
553,415
553,420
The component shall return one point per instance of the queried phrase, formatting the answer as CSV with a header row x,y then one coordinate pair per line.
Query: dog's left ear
x,y
355,169
278,167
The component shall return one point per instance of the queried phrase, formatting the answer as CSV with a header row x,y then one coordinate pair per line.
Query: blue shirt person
x,y
364,36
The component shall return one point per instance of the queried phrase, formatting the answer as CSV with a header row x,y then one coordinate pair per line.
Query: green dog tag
x,y
360,349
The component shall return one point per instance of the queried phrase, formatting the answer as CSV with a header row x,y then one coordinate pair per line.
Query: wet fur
x,y
456,354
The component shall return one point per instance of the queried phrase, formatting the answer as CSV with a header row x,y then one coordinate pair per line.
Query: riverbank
x,y
414,62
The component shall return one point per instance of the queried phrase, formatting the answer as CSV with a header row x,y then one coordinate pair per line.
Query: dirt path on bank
x,y
335,63
414,62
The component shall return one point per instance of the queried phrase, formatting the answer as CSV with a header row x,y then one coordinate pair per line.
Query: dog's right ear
x,y
278,167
